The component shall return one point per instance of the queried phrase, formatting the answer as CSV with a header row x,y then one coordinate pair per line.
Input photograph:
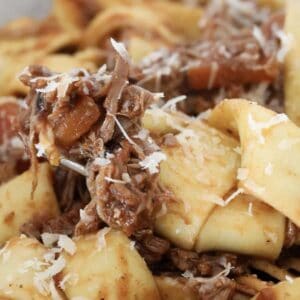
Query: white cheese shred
x,y
101,237
152,161
233,195
67,244
171,104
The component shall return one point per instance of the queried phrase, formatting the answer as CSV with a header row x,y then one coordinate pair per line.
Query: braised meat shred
x,y
239,54
94,121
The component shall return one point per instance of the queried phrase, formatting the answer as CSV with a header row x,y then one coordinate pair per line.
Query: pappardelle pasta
x,y
151,150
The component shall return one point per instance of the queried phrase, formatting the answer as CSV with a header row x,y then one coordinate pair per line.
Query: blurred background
x,y
12,9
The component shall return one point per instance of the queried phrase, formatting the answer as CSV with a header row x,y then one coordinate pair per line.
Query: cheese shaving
x,y
152,161
67,244
233,195
42,280
109,179
269,169
101,161
171,104
101,237
126,178
142,134
122,130
250,209
214,68
53,291
257,127
120,49
242,173
40,150
289,279
132,245
84,217
257,33
285,44
253,187
163,211
204,115
49,239
189,275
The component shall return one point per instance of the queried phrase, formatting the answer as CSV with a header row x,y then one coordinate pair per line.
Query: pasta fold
x,y
270,153
285,290
107,266
245,226
19,261
190,173
17,205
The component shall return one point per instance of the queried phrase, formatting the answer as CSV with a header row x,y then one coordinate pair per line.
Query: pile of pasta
x,y
234,170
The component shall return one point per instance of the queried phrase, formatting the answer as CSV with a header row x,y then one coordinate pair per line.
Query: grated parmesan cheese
x,y
189,275
289,279
237,150
101,237
285,44
163,211
250,209
204,115
126,178
101,161
109,179
49,239
171,104
213,74
120,49
252,186
269,169
122,129
142,134
84,217
232,196
53,291
242,173
152,161
257,33
40,150
132,245
257,127
67,244
42,280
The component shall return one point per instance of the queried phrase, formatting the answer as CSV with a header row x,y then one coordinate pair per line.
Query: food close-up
x,y
150,149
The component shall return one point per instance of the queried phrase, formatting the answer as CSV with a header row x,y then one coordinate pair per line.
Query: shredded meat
x,y
151,247
63,224
205,264
221,288
228,61
90,117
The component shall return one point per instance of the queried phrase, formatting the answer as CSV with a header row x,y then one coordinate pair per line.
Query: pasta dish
x,y
151,150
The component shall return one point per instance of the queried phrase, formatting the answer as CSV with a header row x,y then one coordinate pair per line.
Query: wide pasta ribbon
x,y
270,153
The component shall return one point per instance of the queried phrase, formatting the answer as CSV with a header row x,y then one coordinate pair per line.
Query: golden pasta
x,y
124,174
17,193
106,265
